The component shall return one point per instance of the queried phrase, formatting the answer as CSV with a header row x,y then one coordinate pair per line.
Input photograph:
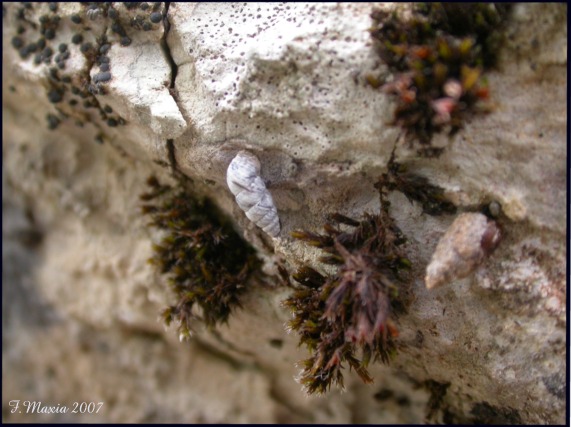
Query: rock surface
x,y
285,81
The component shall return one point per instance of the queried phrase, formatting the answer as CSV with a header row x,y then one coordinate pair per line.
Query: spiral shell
x,y
244,181
464,246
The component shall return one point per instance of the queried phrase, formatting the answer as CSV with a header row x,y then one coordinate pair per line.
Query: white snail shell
x,y
244,181
466,243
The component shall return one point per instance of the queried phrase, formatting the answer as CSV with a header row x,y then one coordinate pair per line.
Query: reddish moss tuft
x,y
438,57
338,315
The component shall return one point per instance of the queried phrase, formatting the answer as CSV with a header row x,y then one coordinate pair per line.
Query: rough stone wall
x,y
286,81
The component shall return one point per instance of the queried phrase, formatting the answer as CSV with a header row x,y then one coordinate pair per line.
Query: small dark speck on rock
x,y
276,343
104,67
125,41
55,96
53,121
555,384
383,394
156,17
77,39
108,109
111,123
102,77
403,401
112,13
50,34
104,48
52,6
23,52
117,28
85,47
75,18
484,413
47,52
17,42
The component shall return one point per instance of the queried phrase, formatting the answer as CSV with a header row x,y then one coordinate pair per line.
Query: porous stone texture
x,y
287,82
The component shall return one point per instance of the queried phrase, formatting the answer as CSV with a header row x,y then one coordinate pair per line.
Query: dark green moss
x,y
438,58
346,317
205,261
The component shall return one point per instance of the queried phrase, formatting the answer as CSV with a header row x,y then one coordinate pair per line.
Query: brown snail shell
x,y
466,243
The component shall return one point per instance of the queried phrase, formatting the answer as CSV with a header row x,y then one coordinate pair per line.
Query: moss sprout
x,y
346,317
438,57
415,188
206,262
437,391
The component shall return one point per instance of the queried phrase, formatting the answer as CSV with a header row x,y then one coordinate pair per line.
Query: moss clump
x,y
338,315
205,261
438,56
414,187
